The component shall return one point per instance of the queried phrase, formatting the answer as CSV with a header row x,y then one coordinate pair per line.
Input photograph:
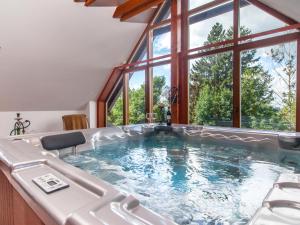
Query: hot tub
x,y
155,175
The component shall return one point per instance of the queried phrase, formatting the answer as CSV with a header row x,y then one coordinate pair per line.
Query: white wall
x,y
41,121
91,113
52,66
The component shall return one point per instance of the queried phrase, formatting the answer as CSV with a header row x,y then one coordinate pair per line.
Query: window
x,y
262,21
268,74
136,97
161,41
210,90
268,85
213,25
141,53
196,3
161,86
115,110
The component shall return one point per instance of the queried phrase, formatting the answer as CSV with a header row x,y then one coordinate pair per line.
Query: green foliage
x,y
285,57
211,97
115,115
159,83
211,88
137,103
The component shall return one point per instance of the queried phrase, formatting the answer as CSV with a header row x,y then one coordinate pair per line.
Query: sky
x,y
250,16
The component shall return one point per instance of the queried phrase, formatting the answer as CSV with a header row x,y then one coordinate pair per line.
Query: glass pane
x,y
141,53
211,26
162,41
268,84
196,3
136,95
115,111
210,90
165,12
262,21
161,87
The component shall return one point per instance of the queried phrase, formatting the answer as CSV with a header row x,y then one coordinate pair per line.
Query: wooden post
x,y
101,113
183,65
174,58
149,75
298,88
236,114
125,99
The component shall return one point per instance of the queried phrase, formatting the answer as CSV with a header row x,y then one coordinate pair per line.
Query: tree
x,y
210,83
159,84
211,86
284,67
215,72
115,114
137,103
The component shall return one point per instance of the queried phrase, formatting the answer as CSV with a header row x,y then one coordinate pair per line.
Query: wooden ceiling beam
x,y
132,8
128,6
134,13
102,3
89,2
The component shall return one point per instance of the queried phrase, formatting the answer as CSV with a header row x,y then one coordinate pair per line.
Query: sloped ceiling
x,y
290,8
57,54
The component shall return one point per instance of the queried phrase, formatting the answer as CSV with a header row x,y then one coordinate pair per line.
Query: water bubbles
x,y
185,220
191,181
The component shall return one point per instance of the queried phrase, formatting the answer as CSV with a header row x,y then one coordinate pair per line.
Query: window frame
x,y
181,54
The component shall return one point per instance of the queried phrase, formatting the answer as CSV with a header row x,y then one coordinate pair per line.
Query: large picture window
x,y
210,90
268,84
234,63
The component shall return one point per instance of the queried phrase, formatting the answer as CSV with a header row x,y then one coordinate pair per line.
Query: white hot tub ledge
x,y
86,201
91,201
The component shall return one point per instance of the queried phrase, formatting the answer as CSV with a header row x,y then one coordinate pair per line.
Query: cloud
x,y
251,17
275,70
162,44
195,3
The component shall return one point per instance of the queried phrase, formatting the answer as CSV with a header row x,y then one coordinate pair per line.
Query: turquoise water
x,y
190,181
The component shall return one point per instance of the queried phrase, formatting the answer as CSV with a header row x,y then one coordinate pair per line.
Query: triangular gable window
x,y
141,52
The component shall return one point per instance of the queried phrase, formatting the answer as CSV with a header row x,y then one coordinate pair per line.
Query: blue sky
x,y
138,77
196,3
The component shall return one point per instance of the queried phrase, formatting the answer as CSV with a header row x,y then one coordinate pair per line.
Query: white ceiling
x,y
290,8
57,54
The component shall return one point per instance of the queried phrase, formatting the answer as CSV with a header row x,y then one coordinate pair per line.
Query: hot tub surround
x,y
89,200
